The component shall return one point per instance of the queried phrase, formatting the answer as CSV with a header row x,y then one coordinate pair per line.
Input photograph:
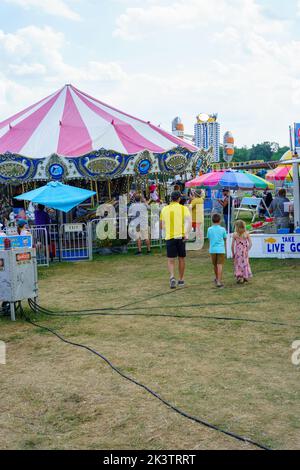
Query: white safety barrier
x,y
79,241
74,242
41,243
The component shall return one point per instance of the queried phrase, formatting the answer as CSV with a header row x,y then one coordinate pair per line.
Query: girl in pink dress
x,y
241,245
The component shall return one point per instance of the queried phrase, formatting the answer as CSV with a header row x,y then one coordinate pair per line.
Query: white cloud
x,y
27,69
235,61
39,51
35,56
246,67
51,7
153,17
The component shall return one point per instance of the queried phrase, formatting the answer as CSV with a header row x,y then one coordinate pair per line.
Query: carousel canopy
x,y
71,123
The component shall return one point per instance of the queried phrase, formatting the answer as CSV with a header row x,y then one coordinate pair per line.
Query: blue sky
x,y
160,58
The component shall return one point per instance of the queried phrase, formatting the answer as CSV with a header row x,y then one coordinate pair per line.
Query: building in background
x,y
207,133
178,127
178,130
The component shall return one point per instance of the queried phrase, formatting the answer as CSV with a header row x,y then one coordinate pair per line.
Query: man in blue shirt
x,y
217,236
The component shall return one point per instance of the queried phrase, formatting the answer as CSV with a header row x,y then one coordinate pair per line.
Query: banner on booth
x,y
297,135
17,241
283,244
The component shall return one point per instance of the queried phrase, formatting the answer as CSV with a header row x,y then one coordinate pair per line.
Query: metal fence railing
x,y
66,242
75,242
120,226
41,244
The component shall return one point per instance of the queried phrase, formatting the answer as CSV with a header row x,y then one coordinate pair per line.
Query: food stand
x,y
267,242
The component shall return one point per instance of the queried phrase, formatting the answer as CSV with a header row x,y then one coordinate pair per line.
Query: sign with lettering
x,y
23,258
73,228
283,244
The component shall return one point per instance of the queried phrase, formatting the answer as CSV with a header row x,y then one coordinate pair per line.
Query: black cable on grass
x,y
36,308
149,390
123,307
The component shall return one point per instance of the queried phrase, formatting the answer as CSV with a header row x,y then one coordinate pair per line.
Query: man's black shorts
x,y
176,248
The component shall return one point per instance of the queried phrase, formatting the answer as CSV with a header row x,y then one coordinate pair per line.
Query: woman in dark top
x,y
41,217
226,203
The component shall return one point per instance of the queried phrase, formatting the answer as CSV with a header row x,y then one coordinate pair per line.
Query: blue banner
x,y
297,135
17,241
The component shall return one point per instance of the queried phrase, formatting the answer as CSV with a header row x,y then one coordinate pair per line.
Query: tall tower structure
x,y
178,127
207,133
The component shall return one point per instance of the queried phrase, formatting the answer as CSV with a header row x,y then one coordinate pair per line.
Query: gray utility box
x,y
18,276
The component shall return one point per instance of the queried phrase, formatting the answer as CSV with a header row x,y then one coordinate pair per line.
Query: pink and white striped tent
x,y
70,123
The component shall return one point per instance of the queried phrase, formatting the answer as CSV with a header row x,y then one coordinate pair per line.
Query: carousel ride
x,y
72,137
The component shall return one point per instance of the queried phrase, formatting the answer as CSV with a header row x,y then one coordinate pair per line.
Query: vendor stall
x,y
269,241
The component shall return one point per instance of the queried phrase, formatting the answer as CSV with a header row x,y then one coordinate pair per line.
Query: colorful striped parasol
x,y
230,179
282,172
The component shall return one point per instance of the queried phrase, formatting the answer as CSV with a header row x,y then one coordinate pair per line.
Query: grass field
x,y
235,374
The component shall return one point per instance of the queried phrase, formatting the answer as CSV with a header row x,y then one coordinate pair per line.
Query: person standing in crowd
x,y
154,196
132,194
141,210
267,198
2,233
41,217
240,247
277,209
176,221
21,228
227,204
197,203
5,210
217,236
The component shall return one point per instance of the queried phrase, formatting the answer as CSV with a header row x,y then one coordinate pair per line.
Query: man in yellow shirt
x,y
176,221
197,203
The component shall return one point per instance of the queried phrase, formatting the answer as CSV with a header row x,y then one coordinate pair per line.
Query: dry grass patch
x,y
237,375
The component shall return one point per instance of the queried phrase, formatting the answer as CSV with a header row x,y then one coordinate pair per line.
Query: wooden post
x,y
92,189
97,191
157,185
128,188
109,190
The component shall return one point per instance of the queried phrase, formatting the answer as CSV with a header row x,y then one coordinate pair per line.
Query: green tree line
x,y
265,151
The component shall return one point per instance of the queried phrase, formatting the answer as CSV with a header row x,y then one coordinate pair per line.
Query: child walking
x,y
217,236
241,245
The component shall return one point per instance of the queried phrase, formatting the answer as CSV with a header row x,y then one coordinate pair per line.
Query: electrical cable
x,y
161,294
108,312
148,389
